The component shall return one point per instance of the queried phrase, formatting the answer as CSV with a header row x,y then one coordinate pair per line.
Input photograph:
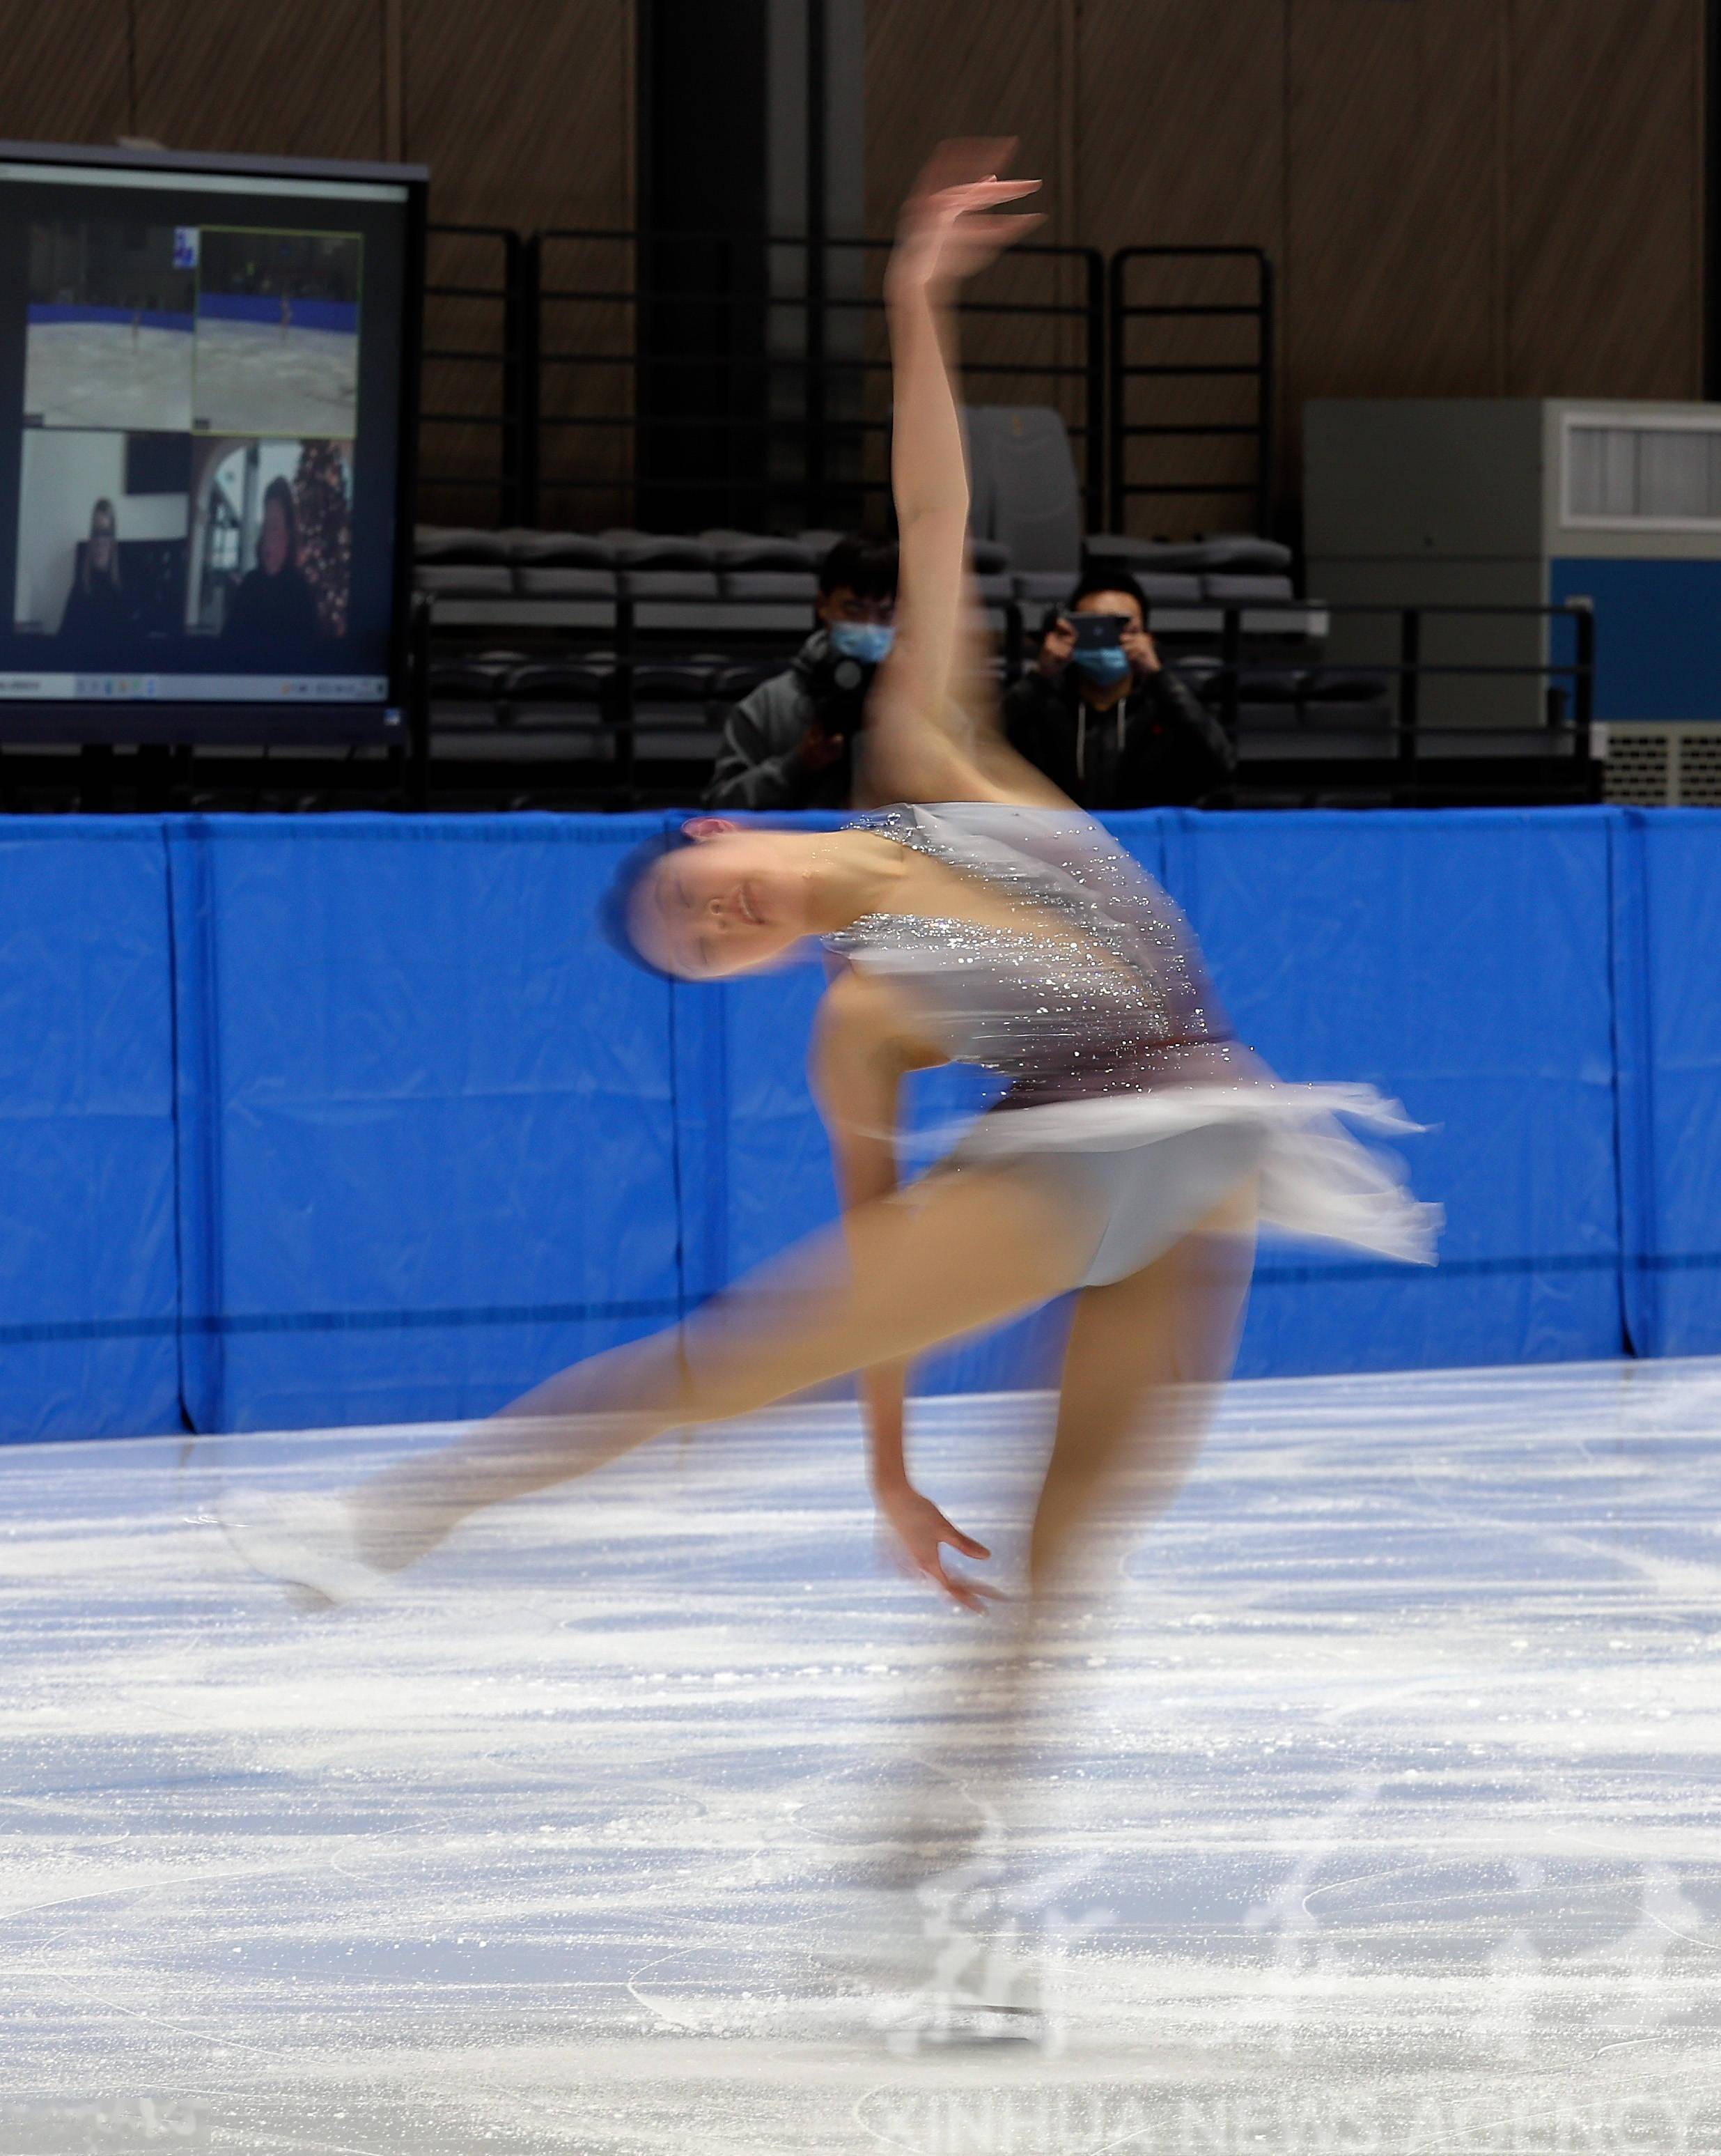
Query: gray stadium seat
x,y
1025,491
562,550
534,581
448,542
667,583
645,550
800,585
1229,553
748,550
466,580
1234,591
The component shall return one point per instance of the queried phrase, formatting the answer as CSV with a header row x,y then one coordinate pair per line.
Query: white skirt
x,y
1150,1164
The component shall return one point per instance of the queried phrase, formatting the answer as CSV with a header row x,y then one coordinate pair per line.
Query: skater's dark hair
x,y
85,570
615,909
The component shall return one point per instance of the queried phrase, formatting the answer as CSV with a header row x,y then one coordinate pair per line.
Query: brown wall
x,y
1464,197
522,109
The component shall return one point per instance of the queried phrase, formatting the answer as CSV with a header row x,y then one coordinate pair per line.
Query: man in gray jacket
x,y
789,744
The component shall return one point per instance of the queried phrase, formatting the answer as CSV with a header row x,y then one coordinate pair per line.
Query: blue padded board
x,y
1459,962
436,1153
1668,973
87,1332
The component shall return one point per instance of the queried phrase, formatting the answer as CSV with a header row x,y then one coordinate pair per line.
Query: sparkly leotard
x,y
1122,1069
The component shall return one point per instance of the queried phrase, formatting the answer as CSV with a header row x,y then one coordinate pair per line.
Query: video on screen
x,y
277,333
103,526
271,546
110,333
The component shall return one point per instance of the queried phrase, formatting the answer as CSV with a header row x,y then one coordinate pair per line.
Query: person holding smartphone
x,y
1101,716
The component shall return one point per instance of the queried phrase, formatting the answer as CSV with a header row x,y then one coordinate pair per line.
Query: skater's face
x,y
732,899
274,543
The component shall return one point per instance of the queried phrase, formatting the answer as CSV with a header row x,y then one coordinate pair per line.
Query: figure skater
x,y
981,918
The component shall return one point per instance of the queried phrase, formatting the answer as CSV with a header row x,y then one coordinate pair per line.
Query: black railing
x,y
1563,723
751,383
478,445
1202,334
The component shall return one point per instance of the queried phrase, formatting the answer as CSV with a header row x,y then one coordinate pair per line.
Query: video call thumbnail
x,y
270,563
128,543
277,332
103,526
112,312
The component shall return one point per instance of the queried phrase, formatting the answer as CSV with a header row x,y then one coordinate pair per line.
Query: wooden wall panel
x,y
1180,136
949,67
1181,141
303,80
524,111
1606,173
525,116
1461,197
1393,233
64,70
938,68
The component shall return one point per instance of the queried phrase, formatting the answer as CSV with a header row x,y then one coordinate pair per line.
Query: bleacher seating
x,y
741,581
571,600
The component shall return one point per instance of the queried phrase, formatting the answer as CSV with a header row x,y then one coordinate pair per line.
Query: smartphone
x,y
1099,632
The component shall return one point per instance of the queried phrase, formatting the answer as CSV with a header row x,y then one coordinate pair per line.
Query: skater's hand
x,y
949,229
921,1531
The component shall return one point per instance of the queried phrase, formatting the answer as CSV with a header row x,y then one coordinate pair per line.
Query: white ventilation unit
x,y
1663,767
1650,472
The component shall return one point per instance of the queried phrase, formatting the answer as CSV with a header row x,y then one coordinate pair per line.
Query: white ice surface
x,y
92,374
252,380
1388,1819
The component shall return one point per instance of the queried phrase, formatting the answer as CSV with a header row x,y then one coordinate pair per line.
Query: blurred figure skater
x,y
981,918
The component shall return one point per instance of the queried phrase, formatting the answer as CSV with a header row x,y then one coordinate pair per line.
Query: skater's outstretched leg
x,y
960,1250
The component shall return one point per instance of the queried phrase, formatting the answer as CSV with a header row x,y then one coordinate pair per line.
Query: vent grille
x,y
1700,771
1622,473
1664,767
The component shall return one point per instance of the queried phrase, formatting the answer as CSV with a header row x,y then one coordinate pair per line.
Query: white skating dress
x,y
1126,1082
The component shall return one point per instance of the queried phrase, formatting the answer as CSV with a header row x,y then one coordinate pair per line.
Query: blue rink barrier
x,y
1667,998
319,1120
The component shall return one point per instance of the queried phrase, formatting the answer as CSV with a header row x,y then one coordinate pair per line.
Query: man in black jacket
x,y
789,743
1115,728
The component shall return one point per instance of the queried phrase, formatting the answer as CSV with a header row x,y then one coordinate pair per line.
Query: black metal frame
x,y
817,364
1107,312
1122,370
1406,771
514,475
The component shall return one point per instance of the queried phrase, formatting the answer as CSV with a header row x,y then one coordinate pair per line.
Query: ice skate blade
x,y
304,1544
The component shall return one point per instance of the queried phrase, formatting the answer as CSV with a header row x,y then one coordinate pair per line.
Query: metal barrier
x,y
548,387
1198,362
477,377
1573,728
787,418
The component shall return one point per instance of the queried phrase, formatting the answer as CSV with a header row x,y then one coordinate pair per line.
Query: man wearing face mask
x,y
789,743
1108,723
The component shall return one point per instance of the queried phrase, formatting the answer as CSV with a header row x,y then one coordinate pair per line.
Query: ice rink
x,y
1387,1817
92,374
252,380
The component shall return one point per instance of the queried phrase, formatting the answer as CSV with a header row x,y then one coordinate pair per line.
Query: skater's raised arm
x,y
920,744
